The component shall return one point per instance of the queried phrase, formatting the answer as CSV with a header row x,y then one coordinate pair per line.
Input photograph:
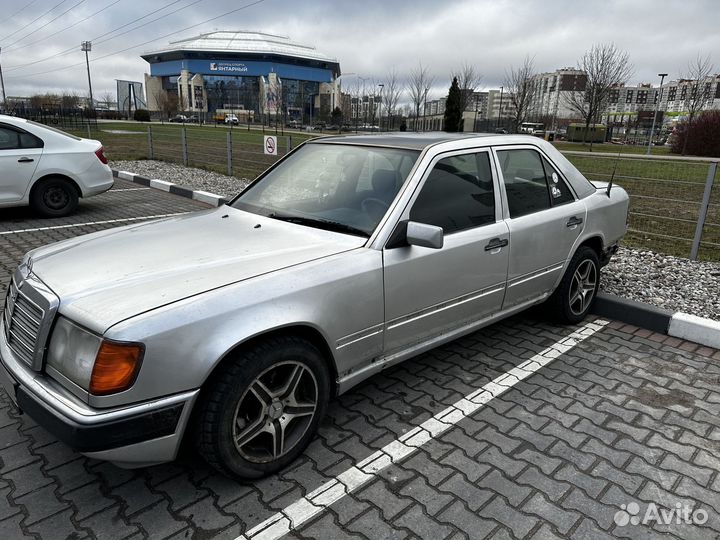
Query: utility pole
x,y
381,86
499,108
657,104
2,83
425,108
86,47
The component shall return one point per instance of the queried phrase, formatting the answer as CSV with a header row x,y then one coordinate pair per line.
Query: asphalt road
x,y
521,430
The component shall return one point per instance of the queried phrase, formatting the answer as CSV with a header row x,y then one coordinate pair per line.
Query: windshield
x,y
340,187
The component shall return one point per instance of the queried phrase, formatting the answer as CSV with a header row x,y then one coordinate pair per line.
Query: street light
x,y
381,85
499,108
657,104
425,107
86,47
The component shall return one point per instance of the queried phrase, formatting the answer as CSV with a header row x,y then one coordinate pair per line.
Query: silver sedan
x,y
235,326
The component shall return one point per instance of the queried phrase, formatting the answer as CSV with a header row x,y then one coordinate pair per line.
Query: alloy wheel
x,y
582,288
275,412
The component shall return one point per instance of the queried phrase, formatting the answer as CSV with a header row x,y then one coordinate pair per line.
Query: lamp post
x,y
477,97
657,104
425,107
2,83
86,47
381,86
499,108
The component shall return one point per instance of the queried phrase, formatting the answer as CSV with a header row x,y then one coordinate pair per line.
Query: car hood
x,y
106,277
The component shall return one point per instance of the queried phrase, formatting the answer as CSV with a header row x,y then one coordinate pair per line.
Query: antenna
x,y
617,159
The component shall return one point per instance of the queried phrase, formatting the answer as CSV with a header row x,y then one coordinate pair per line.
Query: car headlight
x,y
97,365
72,352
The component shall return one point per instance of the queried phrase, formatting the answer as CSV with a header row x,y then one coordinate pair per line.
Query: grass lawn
x,y
612,148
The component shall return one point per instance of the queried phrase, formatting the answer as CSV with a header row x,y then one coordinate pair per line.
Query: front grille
x,y
23,323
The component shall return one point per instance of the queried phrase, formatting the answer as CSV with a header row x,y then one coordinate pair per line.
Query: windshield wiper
x,y
320,224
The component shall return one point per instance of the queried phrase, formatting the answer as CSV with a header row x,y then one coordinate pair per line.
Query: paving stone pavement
x,y
626,416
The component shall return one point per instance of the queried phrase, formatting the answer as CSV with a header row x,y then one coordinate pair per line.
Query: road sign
x,y
271,145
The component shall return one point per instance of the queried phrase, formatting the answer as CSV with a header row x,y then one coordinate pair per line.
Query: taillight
x,y
100,153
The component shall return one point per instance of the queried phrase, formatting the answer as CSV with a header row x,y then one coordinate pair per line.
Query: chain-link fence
x,y
673,207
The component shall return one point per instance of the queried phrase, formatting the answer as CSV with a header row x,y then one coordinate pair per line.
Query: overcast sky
x,y
368,38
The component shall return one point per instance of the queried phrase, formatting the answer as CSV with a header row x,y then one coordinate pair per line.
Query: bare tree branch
x,y
468,80
392,92
696,94
605,67
418,86
520,85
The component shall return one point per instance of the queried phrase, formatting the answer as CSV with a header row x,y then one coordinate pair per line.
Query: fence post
x,y
712,170
289,143
229,154
184,146
151,153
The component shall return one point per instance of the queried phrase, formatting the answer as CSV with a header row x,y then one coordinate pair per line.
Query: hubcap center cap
x,y
275,410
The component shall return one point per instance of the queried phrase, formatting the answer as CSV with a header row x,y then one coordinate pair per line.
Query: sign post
x,y
270,146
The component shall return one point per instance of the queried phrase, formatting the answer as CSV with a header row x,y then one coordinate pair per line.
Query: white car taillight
x,y
100,153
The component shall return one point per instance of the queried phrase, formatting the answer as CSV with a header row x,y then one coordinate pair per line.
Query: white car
x,y
48,168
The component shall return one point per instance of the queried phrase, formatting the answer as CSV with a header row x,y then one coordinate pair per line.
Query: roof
x,y
242,41
416,141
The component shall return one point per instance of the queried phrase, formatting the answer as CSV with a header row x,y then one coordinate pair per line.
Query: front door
x,y
429,292
18,161
544,220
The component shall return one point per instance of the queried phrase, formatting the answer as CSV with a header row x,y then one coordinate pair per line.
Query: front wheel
x,y
573,298
263,408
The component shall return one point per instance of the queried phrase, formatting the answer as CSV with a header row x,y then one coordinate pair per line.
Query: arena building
x,y
254,75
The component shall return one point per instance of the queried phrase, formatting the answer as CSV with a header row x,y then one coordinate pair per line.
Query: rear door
x,y
544,219
20,154
429,292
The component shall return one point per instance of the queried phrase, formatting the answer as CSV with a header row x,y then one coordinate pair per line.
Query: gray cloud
x,y
371,37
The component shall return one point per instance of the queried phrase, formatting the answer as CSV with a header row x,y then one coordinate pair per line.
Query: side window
x,y
560,192
28,140
9,139
525,183
457,194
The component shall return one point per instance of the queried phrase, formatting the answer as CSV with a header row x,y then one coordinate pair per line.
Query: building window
x,y
614,96
671,93
629,96
683,92
641,96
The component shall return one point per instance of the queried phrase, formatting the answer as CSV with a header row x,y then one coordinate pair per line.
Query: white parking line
x,y
105,222
127,189
315,502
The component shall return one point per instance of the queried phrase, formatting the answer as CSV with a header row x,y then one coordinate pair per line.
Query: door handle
x,y
25,160
496,243
573,221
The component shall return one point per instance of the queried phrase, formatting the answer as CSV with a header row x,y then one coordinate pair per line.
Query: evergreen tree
x,y
453,107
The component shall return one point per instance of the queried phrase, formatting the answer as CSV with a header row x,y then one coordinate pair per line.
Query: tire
x,y
583,274
245,401
54,197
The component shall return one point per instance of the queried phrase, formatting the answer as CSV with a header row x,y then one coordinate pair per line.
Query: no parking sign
x,y
271,145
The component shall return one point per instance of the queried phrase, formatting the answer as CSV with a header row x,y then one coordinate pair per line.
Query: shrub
x,y
704,138
142,115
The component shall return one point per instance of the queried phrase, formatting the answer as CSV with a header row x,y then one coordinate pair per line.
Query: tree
x,y
453,110
706,135
605,67
418,86
168,103
468,80
392,93
697,95
107,98
520,87
336,116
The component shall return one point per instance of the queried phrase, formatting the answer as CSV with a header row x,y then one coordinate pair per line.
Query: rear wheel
x,y
263,408
572,300
54,197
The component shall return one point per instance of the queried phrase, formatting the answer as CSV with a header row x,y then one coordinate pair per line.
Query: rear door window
x,y
525,183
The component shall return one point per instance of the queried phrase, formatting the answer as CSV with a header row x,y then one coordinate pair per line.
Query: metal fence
x,y
673,206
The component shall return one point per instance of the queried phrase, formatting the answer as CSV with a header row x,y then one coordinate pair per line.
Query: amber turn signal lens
x,y
116,367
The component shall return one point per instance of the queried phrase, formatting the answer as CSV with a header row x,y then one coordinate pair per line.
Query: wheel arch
x,y
64,177
300,330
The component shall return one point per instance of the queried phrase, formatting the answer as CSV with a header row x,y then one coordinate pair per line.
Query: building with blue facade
x,y
250,74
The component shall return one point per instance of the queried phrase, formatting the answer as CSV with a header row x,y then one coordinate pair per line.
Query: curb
x,y
176,189
674,324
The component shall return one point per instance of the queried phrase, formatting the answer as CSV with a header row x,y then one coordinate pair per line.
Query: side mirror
x,y
423,235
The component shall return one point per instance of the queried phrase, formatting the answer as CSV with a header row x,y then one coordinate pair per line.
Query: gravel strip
x,y
665,281
668,282
196,179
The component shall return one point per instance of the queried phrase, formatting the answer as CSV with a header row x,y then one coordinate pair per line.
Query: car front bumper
x,y
135,435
